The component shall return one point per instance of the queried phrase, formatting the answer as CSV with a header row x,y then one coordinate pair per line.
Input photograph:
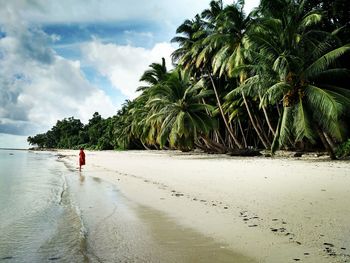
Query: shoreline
x,y
271,209
265,154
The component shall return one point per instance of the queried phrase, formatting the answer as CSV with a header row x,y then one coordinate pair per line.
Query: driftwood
x,y
298,154
244,152
210,146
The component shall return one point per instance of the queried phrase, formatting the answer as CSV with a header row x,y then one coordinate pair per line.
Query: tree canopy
x,y
275,78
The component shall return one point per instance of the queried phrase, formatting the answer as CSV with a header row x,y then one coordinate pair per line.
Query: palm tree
x,y
189,33
229,43
299,56
176,104
194,54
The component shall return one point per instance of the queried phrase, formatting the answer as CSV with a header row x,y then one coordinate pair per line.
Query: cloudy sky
x,y
74,57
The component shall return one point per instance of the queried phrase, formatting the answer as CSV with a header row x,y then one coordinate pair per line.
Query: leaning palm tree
x,y
176,104
195,54
227,45
300,56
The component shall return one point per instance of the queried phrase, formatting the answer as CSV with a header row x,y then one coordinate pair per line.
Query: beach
x,y
267,209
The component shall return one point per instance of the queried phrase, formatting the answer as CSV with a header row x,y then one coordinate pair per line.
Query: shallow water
x,y
51,212
35,224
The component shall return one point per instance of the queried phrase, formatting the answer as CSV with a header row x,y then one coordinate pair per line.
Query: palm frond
x,y
180,123
275,93
336,73
325,61
203,94
219,59
302,124
311,19
339,90
323,102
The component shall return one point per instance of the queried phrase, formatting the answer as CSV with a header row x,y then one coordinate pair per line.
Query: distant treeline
x,y
275,78
71,133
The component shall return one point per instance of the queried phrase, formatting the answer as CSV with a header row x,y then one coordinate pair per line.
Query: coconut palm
x,y
299,56
176,104
189,33
195,54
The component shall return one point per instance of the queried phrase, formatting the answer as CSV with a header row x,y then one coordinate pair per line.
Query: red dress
x,y
81,158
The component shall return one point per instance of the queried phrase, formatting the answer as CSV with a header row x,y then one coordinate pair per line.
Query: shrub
x,y
343,149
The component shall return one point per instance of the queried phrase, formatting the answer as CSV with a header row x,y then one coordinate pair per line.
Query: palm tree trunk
x,y
275,143
213,145
221,140
330,141
268,121
243,135
253,122
215,133
261,129
223,115
278,109
144,145
233,130
215,137
267,118
326,144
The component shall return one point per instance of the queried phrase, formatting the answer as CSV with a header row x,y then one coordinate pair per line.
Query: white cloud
x,y
61,90
250,5
124,65
79,11
38,87
51,11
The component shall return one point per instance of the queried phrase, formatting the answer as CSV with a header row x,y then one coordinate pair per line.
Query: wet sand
x,y
270,210
116,229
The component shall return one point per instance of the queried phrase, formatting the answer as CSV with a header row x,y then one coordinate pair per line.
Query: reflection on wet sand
x,y
81,178
96,179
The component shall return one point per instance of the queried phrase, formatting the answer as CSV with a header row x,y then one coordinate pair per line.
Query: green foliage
x,y
70,133
176,105
343,150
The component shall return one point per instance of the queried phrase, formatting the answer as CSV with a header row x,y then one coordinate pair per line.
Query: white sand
x,y
273,210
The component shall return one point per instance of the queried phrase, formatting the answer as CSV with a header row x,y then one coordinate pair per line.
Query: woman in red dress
x,y
81,158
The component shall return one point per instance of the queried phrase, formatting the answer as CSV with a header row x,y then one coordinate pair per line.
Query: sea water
x,y
51,212
38,223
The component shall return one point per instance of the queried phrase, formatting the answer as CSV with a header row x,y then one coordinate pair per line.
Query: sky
x,y
74,57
